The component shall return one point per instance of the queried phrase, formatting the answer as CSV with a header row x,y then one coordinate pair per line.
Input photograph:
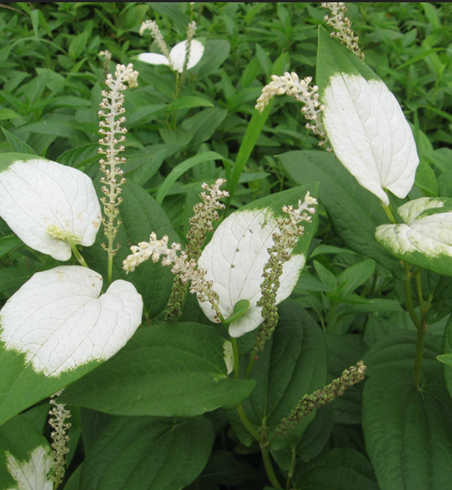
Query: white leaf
x,y
39,193
234,260
427,234
177,55
370,135
59,322
32,474
153,58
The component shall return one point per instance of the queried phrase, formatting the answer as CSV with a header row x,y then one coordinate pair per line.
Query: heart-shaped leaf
x,y
56,328
235,258
364,122
425,239
36,194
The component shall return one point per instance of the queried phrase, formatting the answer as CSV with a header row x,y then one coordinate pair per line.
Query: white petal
x,y
370,135
33,474
59,322
178,54
235,260
153,58
39,193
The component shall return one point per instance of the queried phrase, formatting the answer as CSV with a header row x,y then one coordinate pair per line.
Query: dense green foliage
x,y
350,298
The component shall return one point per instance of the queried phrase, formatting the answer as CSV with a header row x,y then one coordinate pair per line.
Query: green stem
x,y
418,356
291,469
249,427
421,298
409,304
235,350
77,254
110,265
250,363
389,213
268,463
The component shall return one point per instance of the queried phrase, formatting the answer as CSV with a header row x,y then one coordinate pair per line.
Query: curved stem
x,y
291,469
249,427
268,462
389,213
77,254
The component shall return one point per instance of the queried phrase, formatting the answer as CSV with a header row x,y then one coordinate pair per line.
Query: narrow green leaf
x,y
17,144
188,102
181,168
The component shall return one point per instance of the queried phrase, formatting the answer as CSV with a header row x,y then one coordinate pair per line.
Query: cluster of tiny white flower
x,y
297,215
110,128
342,24
158,38
58,415
290,84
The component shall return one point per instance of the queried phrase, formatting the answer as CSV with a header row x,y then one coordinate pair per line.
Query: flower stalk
x,y
113,134
58,415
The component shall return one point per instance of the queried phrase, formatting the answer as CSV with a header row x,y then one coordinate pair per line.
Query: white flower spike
x,y
59,321
177,55
45,203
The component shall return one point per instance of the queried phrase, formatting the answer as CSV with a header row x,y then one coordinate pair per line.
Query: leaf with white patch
x,y
36,194
56,328
425,239
25,457
235,258
364,122
177,56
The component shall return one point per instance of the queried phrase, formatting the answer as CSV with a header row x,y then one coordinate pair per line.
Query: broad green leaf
x,y
203,124
396,350
170,370
293,364
445,357
425,239
148,453
216,51
364,122
438,292
140,215
17,144
181,168
80,156
355,276
408,429
36,193
188,102
78,44
8,243
25,457
11,278
354,212
238,252
8,114
338,469
58,327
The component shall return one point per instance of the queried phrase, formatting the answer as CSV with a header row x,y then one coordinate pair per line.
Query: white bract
x,y
234,260
370,135
177,55
59,322
427,230
33,474
37,195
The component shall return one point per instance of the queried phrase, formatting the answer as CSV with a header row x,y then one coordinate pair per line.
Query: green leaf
x,y
354,212
140,215
188,102
424,239
203,124
181,168
447,351
78,44
240,309
215,53
408,430
8,243
8,114
31,455
355,276
148,453
11,278
338,469
17,144
292,364
397,350
169,370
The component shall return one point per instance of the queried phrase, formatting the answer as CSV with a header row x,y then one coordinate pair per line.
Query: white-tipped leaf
x,y
153,58
177,55
425,239
34,474
364,122
36,193
370,135
59,321
235,260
